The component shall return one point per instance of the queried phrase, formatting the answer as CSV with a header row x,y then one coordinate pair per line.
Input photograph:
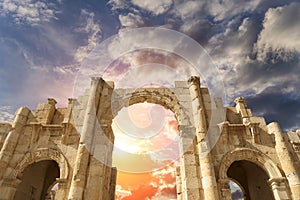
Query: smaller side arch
x,y
251,155
40,155
277,181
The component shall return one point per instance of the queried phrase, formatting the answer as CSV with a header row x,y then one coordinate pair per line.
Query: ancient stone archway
x,y
187,100
68,137
248,160
36,179
252,178
162,96
40,155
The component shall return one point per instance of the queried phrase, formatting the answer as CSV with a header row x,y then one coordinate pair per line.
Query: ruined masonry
x,y
43,157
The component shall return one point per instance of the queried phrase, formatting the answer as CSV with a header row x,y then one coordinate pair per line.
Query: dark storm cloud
x,y
253,43
274,90
276,105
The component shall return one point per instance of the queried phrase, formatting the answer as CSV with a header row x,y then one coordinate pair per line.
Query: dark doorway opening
x,y
36,180
252,178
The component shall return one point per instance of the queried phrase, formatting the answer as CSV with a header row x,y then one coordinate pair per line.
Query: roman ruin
x,y
66,153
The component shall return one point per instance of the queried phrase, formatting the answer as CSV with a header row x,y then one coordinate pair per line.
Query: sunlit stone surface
x,y
43,157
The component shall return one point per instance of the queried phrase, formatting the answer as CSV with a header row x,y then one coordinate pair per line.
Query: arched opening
x,y
252,178
37,179
146,146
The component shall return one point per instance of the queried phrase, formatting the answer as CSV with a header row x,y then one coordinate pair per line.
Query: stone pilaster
x,y
207,172
241,108
279,188
189,176
12,138
112,185
9,188
85,145
178,183
254,129
60,193
290,166
225,189
45,111
66,122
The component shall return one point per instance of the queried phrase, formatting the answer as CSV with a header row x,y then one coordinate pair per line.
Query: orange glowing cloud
x,y
147,186
145,136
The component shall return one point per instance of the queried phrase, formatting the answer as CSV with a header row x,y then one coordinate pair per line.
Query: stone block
x,y
181,84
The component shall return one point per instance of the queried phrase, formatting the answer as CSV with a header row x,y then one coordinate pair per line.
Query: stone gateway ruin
x,y
54,153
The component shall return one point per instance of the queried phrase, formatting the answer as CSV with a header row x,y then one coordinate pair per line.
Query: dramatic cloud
x,y
118,4
279,38
255,45
148,186
155,7
278,103
226,9
260,62
131,20
28,11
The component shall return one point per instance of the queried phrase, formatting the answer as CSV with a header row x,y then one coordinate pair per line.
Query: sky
x,y
254,45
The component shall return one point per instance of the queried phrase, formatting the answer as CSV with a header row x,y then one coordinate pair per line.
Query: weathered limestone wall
x,y
79,138
253,140
50,133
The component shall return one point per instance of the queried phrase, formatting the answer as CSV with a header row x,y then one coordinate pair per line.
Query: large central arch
x,y
162,96
179,100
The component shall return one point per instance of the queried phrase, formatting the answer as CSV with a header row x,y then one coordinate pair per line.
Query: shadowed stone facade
x,y
69,150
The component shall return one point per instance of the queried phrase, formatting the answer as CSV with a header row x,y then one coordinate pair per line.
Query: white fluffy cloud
x,y
280,34
93,31
6,114
222,9
155,7
131,20
28,11
118,4
253,60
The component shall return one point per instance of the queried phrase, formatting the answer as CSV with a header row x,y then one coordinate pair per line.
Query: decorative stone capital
x,y
61,183
274,128
71,100
194,80
95,80
225,188
51,101
276,182
240,100
224,182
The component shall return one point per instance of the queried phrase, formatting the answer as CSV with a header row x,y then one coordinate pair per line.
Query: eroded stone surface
x,y
208,149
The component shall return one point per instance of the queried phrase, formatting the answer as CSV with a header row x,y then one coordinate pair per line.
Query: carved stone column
x,y
12,138
85,144
207,172
62,189
290,166
254,129
188,170
9,188
225,189
178,184
279,188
